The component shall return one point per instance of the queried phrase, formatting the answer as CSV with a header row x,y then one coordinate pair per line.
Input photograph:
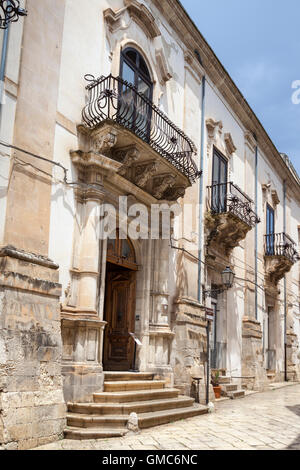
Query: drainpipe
x,y
3,66
285,289
256,233
200,236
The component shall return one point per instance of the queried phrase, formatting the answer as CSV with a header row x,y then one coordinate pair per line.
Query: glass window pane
x,y
132,55
128,73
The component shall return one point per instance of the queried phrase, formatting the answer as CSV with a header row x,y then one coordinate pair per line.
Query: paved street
x,y
269,420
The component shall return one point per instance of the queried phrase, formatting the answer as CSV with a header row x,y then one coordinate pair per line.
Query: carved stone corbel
x,y
230,147
127,156
175,193
103,140
161,184
144,172
162,68
275,197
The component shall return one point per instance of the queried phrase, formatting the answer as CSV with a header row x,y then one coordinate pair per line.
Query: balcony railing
x,y
227,197
280,244
113,99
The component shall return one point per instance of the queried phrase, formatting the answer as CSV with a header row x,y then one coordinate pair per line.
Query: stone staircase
x,y
229,389
125,393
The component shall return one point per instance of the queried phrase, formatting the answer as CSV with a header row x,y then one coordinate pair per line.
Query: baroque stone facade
x,y
135,133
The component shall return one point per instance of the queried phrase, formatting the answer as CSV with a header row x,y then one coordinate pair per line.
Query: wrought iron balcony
x,y
111,99
280,244
229,198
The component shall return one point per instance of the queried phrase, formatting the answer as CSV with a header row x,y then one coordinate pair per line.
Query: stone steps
x,y
236,394
119,386
224,379
145,420
126,393
111,376
93,433
136,395
127,408
229,389
226,388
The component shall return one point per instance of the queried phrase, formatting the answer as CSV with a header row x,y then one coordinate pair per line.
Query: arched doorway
x,y
119,306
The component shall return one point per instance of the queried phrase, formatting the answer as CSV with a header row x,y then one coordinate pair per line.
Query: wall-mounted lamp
x,y
227,281
10,11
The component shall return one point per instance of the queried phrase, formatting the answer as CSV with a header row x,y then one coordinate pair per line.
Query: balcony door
x,y
135,109
270,235
219,183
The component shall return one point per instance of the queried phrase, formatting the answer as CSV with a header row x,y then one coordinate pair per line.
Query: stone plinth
x,y
82,357
32,410
189,347
253,372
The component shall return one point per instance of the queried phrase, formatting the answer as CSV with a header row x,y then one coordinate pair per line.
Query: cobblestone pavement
x,y
269,420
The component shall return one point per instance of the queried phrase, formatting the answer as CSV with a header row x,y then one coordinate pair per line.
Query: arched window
x,y
134,70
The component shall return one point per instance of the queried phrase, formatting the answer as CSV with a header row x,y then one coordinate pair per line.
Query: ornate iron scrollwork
x,y
228,197
112,98
10,11
280,244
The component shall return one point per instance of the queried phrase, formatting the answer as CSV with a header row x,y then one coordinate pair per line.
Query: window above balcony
x,y
161,148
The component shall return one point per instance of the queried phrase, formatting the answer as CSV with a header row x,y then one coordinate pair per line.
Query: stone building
x,y
163,124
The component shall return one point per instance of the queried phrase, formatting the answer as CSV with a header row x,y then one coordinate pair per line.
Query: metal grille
x,y
227,197
114,99
280,244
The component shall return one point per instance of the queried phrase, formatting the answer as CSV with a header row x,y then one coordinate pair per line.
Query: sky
x,y
258,43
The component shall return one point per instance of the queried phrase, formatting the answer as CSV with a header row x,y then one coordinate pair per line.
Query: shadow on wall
x,y
295,445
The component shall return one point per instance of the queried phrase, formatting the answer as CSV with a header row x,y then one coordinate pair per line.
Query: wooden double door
x,y
119,314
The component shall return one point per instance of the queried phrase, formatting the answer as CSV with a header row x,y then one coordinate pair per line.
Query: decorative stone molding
x,y
230,147
275,197
161,184
144,172
103,140
174,193
275,268
127,156
212,127
138,12
251,328
22,255
162,67
224,231
114,20
143,17
270,194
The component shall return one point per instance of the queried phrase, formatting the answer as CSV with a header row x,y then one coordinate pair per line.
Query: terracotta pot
x,y
217,391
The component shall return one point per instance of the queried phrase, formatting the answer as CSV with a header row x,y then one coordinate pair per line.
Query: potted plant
x,y
215,383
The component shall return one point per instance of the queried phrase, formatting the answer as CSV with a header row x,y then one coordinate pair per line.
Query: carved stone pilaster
x,y
144,172
161,184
